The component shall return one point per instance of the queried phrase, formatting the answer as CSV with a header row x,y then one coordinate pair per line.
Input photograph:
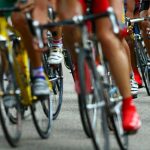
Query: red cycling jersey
x,y
98,6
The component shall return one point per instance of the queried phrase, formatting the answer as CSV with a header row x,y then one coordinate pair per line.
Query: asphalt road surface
x,y
67,132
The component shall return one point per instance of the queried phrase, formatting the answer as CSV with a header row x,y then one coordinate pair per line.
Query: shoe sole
x,y
140,86
134,96
134,131
131,132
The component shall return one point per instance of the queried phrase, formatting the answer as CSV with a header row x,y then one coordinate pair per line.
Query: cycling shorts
x,y
145,5
97,6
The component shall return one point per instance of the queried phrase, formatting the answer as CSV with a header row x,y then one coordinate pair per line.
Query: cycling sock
x,y
38,73
57,43
137,76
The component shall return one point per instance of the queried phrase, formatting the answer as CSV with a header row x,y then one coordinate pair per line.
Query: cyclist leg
x,y
132,11
120,13
40,86
114,53
56,56
74,8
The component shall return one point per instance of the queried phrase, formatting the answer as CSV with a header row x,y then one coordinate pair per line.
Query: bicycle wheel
x,y
41,112
83,116
68,61
114,104
9,104
93,100
57,79
55,75
122,138
144,63
116,120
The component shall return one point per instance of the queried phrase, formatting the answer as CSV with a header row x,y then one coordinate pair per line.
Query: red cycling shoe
x,y
137,77
130,118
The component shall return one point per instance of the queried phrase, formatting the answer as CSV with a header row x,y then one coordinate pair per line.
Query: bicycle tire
x,y
57,90
55,75
39,116
68,61
10,114
122,138
114,111
143,63
83,117
98,129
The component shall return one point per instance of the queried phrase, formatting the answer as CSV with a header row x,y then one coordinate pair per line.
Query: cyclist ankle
x,y
38,73
127,101
57,43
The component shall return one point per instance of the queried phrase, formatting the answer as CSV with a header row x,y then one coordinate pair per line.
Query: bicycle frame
x,y
16,86
20,61
141,52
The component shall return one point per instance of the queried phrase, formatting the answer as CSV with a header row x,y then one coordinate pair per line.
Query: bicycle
x,y
55,72
143,59
55,76
15,87
95,101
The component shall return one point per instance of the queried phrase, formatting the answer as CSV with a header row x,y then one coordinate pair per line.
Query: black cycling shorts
x,y
145,4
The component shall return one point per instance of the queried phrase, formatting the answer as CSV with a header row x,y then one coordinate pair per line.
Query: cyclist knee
x,y
65,6
105,36
40,11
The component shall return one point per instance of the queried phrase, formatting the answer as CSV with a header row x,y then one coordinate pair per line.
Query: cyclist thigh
x,y
68,8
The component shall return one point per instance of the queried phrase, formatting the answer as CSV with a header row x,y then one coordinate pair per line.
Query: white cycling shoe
x,y
56,56
134,88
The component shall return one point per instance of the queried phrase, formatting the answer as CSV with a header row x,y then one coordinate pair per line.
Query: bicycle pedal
x,y
11,92
34,98
40,97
